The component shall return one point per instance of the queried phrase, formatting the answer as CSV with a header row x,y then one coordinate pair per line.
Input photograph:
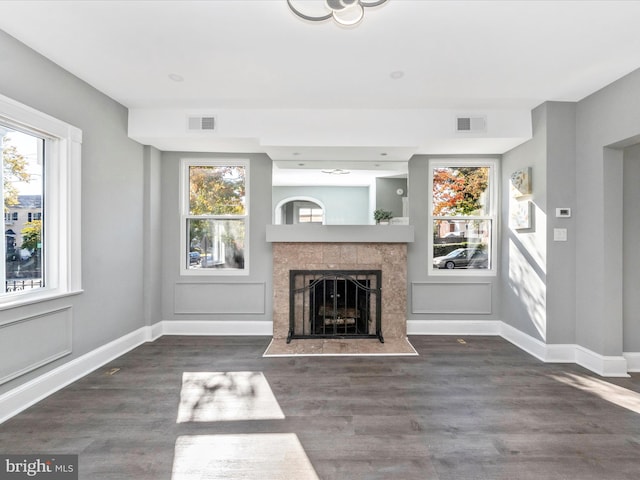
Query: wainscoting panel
x,y
247,298
50,331
443,298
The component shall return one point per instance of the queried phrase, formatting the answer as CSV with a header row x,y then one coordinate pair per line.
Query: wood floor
x,y
213,407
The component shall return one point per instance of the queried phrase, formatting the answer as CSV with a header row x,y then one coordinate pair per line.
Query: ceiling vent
x,y
200,124
471,124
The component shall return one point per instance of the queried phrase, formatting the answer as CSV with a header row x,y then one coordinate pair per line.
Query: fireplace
x,y
335,304
390,258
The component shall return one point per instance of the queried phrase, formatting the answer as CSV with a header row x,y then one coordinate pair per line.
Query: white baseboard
x,y
189,327
606,366
453,327
633,361
550,353
31,392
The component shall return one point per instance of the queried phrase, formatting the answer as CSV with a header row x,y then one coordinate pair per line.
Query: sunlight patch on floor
x,y
615,394
246,457
226,396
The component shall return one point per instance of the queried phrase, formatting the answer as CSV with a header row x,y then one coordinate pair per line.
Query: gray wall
x,y
561,192
386,196
524,252
481,292
152,248
631,252
539,273
224,298
606,121
580,291
344,205
112,205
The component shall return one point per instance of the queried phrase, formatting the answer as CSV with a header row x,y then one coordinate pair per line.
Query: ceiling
x,y
404,55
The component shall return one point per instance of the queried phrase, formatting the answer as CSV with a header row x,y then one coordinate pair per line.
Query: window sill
x,y
461,272
213,273
26,299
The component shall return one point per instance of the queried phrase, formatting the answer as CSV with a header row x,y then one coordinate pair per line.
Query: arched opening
x,y
299,210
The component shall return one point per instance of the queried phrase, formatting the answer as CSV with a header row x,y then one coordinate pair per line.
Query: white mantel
x,y
341,233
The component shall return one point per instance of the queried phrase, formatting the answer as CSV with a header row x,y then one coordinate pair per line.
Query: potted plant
x,y
382,216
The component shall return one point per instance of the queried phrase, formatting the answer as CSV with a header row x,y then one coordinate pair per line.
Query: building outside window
x,y
463,216
215,217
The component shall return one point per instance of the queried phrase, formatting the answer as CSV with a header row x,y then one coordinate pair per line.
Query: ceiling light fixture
x,y
344,12
336,171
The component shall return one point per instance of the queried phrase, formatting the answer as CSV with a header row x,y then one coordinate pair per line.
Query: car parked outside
x,y
208,261
463,258
194,258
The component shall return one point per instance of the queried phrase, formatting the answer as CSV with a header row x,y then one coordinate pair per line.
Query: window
x,y
41,193
22,184
463,216
215,217
308,212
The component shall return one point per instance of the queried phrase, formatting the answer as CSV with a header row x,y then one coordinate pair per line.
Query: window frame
x,y
493,215
300,205
62,257
185,164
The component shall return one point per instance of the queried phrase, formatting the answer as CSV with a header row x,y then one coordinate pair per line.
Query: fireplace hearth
x,y
335,304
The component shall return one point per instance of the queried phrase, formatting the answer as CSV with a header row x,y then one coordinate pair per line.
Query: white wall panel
x,y
448,298
50,331
220,298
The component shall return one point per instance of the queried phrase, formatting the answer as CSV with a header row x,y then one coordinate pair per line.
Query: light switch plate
x,y
559,234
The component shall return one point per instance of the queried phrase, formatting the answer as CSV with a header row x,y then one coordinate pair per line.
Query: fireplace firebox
x,y
335,304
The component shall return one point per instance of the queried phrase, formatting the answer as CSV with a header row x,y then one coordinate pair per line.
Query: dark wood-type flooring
x,y
477,410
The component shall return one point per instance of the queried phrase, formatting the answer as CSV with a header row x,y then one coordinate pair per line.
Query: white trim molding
x,y
633,361
453,327
195,327
31,392
605,366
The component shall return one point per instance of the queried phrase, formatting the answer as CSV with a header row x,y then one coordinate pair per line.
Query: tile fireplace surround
x,y
388,257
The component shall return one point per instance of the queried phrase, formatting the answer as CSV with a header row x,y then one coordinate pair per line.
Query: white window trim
x,y
185,163
297,206
494,214
62,227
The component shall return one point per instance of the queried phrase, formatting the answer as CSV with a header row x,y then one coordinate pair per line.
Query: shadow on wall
x,y
527,280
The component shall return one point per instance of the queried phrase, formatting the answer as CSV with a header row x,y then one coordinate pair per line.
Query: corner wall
x,y
538,272
631,253
607,121
111,305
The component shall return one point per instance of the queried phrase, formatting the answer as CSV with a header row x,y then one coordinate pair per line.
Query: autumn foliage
x,y
216,190
459,191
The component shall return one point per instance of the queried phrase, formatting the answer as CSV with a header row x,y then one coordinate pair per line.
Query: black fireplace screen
x,y
335,304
